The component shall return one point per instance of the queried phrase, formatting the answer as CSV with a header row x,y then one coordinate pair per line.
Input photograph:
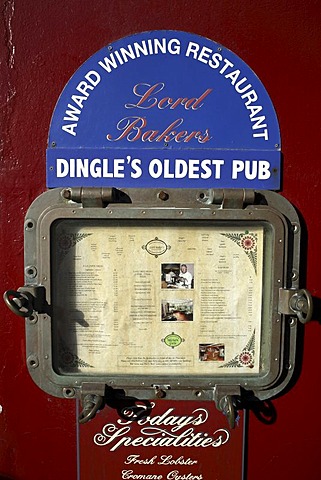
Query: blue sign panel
x,y
164,109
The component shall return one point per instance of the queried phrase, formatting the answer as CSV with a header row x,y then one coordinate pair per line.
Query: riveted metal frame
x,y
281,270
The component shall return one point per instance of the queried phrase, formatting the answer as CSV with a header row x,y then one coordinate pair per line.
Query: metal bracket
x,y
94,396
296,302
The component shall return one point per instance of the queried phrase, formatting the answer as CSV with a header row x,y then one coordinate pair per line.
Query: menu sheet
x,y
156,298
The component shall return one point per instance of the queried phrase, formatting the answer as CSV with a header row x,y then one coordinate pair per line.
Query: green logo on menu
x,y
173,340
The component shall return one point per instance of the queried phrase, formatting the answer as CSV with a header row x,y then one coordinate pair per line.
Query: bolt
x,y
163,196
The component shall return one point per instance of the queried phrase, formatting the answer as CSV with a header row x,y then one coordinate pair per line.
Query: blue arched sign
x,y
164,109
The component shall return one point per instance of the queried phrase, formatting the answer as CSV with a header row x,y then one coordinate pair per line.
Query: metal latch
x,y
296,302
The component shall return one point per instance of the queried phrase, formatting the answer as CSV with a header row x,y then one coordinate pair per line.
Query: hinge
x,y
296,302
95,197
232,198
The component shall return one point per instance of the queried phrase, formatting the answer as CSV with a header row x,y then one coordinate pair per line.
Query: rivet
x,y
68,392
29,224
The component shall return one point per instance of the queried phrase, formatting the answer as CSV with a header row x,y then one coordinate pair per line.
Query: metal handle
x,y
228,409
92,403
19,303
301,303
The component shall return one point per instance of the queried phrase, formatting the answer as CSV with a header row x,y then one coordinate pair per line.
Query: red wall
x,y
42,44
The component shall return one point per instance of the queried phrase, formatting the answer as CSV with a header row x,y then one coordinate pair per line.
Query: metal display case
x,y
132,295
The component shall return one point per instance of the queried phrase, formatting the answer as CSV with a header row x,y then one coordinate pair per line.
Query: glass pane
x,y
157,298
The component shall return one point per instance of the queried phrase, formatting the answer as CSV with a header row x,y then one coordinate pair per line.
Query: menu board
x,y
156,297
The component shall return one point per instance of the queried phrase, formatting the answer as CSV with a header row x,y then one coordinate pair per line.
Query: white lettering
x,y
248,94
62,167
180,168
136,166
192,48
174,46
72,113
70,128
227,64
217,58
130,475
233,76
96,168
165,430
259,169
